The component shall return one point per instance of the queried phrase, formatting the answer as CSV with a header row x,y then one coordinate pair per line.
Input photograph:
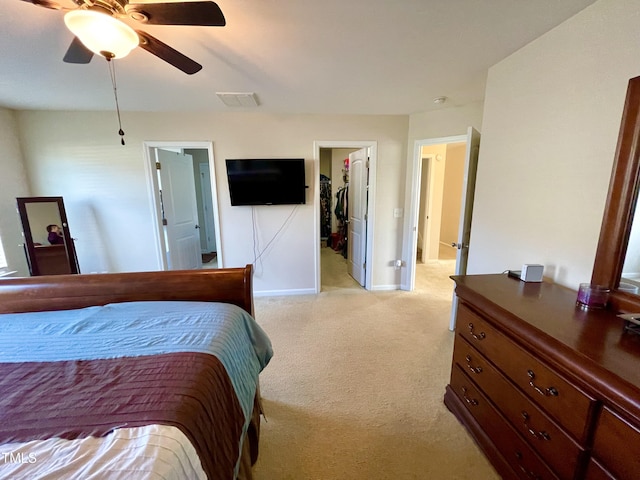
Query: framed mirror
x,y
616,251
48,244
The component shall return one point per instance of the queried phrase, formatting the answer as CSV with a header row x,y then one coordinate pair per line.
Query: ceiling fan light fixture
x,y
101,33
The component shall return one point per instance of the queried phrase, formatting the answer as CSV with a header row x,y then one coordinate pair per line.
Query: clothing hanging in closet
x,y
325,206
342,215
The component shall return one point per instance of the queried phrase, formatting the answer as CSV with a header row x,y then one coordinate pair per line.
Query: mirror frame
x,y
29,247
620,207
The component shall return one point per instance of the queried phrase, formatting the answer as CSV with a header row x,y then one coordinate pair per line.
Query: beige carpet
x,y
355,388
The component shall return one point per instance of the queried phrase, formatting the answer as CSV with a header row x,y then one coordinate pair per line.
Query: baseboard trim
x,y
385,288
311,291
280,293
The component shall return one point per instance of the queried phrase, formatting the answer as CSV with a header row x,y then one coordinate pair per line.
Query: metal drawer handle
x,y
476,370
546,392
524,470
479,336
471,401
541,435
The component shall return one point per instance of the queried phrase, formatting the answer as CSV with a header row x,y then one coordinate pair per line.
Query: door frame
x,y
155,208
412,206
373,156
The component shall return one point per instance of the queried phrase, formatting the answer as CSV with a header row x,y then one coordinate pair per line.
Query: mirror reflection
x,y
630,279
48,246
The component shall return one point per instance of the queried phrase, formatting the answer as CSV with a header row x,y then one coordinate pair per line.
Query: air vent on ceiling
x,y
238,99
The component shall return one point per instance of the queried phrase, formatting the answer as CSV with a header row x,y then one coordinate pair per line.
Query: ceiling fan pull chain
x,y
112,73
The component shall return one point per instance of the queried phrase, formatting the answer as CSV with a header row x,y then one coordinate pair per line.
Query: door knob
x,y
459,246
197,226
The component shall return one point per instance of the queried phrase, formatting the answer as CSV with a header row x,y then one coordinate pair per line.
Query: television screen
x,y
261,181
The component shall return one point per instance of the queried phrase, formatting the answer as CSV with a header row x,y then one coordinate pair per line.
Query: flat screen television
x,y
266,181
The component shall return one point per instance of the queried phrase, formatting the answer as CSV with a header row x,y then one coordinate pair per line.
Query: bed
x,y
130,375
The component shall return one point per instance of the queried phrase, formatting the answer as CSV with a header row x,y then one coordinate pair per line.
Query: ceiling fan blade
x,y
77,52
45,4
179,13
168,54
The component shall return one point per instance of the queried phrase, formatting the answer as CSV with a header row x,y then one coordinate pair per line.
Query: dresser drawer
x,y
597,472
566,403
558,449
520,457
617,445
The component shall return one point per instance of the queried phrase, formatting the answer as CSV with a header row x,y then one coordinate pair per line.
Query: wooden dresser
x,y
52,260
547,390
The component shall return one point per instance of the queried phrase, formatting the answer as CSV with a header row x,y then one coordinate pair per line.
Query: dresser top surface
x,y
594,337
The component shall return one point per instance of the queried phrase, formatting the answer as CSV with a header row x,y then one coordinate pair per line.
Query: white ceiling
x,y
298,56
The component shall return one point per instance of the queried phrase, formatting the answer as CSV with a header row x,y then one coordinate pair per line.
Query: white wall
x,y
550,126
78,155
13,183
446,122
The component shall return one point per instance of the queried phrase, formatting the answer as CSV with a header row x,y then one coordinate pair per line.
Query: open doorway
x,y
204,204
333,176
334,241
184,200
428,235
440,194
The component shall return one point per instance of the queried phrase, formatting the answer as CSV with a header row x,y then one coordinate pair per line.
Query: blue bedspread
x,y
143,328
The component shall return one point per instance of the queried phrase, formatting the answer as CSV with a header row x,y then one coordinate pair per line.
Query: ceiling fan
x,y
98,29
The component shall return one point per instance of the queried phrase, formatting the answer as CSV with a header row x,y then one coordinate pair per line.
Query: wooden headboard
x,y
64,292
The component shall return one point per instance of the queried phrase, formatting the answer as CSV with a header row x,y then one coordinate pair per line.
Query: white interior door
x,y
357,208
466,211
180,210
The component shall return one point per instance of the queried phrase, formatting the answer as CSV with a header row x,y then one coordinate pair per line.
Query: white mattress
x,y
149,452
